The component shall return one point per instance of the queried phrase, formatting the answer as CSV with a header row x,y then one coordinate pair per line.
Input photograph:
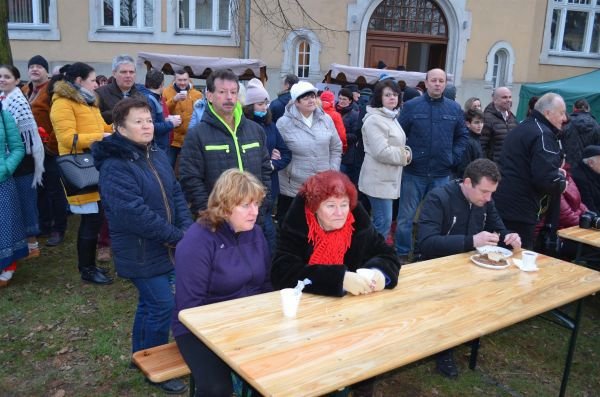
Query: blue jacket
x,y
143,203
219,266
436,132
275,141
278,105
162,127
197,112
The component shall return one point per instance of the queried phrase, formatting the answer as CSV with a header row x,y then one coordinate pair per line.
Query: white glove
x,y
375,278
356,284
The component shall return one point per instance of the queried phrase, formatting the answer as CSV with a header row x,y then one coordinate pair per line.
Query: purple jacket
x,y
218,266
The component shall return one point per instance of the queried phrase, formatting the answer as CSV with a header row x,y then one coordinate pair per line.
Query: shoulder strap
x,y
74,147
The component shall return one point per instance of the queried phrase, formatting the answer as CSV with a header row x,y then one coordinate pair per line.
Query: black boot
x,y
86,252
445,364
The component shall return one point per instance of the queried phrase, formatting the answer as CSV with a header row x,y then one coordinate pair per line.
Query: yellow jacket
x,y
183,108
70,114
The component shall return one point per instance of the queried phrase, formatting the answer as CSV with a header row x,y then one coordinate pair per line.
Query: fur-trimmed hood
x,y
66,90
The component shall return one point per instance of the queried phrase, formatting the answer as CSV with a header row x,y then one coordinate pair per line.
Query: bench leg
x,y
474,352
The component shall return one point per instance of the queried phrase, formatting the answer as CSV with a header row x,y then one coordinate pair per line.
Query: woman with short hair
x,y
223,256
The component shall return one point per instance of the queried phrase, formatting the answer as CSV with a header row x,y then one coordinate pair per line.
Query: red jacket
x,y
328,104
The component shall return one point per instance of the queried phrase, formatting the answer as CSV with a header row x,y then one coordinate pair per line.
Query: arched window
x,y
302,59
409,16
301,55
500,62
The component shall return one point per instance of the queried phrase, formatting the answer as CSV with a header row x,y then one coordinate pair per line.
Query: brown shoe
x,y
103,254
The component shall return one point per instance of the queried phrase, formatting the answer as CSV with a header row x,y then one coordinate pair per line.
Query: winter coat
x,y
197,112
109,95
329,108
182,108
218,266
352,123
314,149
436,132
581,131
275,141
529,165
495,130
472,152
278,105
211,148
588,183
386,154
12,144
162,127
40,107
367,250
70,115
448,222
143,203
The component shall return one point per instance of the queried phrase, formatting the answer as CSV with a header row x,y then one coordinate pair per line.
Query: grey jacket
x,y
386,154
314,149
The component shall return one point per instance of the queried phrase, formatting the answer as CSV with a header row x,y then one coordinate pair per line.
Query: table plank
x,y
335,342
585,236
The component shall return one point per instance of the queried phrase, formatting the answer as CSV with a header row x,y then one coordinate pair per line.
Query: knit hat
x,y
327,96
255,92
366,92
352,87
591,151
39,60
301,88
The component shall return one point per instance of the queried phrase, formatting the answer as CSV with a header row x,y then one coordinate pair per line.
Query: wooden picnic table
x,y
335,342
584,236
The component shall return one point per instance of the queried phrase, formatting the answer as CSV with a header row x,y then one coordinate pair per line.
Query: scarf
x,y
18,106
88,96
329,247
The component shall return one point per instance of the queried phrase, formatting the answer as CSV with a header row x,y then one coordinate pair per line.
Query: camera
x,y
589,220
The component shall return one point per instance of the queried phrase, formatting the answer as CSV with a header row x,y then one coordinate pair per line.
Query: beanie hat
x,y
255,92
591,151
301,88
39,60
352,87
327,96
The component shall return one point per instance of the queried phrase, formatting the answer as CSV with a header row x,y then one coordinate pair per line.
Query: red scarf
x,y
329,247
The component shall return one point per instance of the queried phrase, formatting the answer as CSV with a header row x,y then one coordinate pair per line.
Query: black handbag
x,y
77,171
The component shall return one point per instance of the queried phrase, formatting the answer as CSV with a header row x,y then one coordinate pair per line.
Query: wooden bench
x,y
162,363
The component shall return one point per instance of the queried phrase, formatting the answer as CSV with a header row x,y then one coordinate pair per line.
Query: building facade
x,y
483,43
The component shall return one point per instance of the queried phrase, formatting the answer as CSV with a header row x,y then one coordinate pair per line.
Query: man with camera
x,y
586,175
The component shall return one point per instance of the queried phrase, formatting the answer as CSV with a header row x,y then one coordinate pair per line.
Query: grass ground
x,y
61,337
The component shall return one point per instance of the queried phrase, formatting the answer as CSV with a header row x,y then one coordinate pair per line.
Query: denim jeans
x,y
269,228
412,192
381,210
153,315
172,154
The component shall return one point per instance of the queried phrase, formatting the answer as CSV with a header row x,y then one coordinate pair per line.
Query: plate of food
x,y
486,249
492,260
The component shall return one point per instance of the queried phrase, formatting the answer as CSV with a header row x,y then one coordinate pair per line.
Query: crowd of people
x,y
206,197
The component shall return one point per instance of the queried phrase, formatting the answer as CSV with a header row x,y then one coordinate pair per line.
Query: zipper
x,y
249,146
164,196
217,147
452,225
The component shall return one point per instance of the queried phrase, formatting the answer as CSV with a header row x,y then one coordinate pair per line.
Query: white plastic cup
x,y
290,301
184,92
367,274
528,259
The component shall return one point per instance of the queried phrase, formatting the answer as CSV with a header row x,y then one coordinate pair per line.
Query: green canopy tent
x,y
571,89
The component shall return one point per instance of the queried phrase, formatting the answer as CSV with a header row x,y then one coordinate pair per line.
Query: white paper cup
x,y
184,92
528,259
368,274
290,301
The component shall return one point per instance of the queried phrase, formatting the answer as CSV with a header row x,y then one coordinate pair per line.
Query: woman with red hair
x,y
327,236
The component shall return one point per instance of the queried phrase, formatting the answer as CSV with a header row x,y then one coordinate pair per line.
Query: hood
x,y
63,89
117,146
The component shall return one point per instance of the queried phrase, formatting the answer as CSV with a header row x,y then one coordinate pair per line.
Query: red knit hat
x,y
327,96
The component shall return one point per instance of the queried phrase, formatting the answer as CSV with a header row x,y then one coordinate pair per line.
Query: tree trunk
x,y
5,52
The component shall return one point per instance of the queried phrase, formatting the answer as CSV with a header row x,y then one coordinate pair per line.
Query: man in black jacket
x,y
530,164
586,176
223,139
459,217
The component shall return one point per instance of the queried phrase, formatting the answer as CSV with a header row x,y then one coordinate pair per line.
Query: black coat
x,y
110,94
529,165
367,249
209,149
495,131
583,130
472,152
353,125
448,222
588,183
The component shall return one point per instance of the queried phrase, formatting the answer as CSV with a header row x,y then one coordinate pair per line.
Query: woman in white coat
x,y
386,154
313,140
